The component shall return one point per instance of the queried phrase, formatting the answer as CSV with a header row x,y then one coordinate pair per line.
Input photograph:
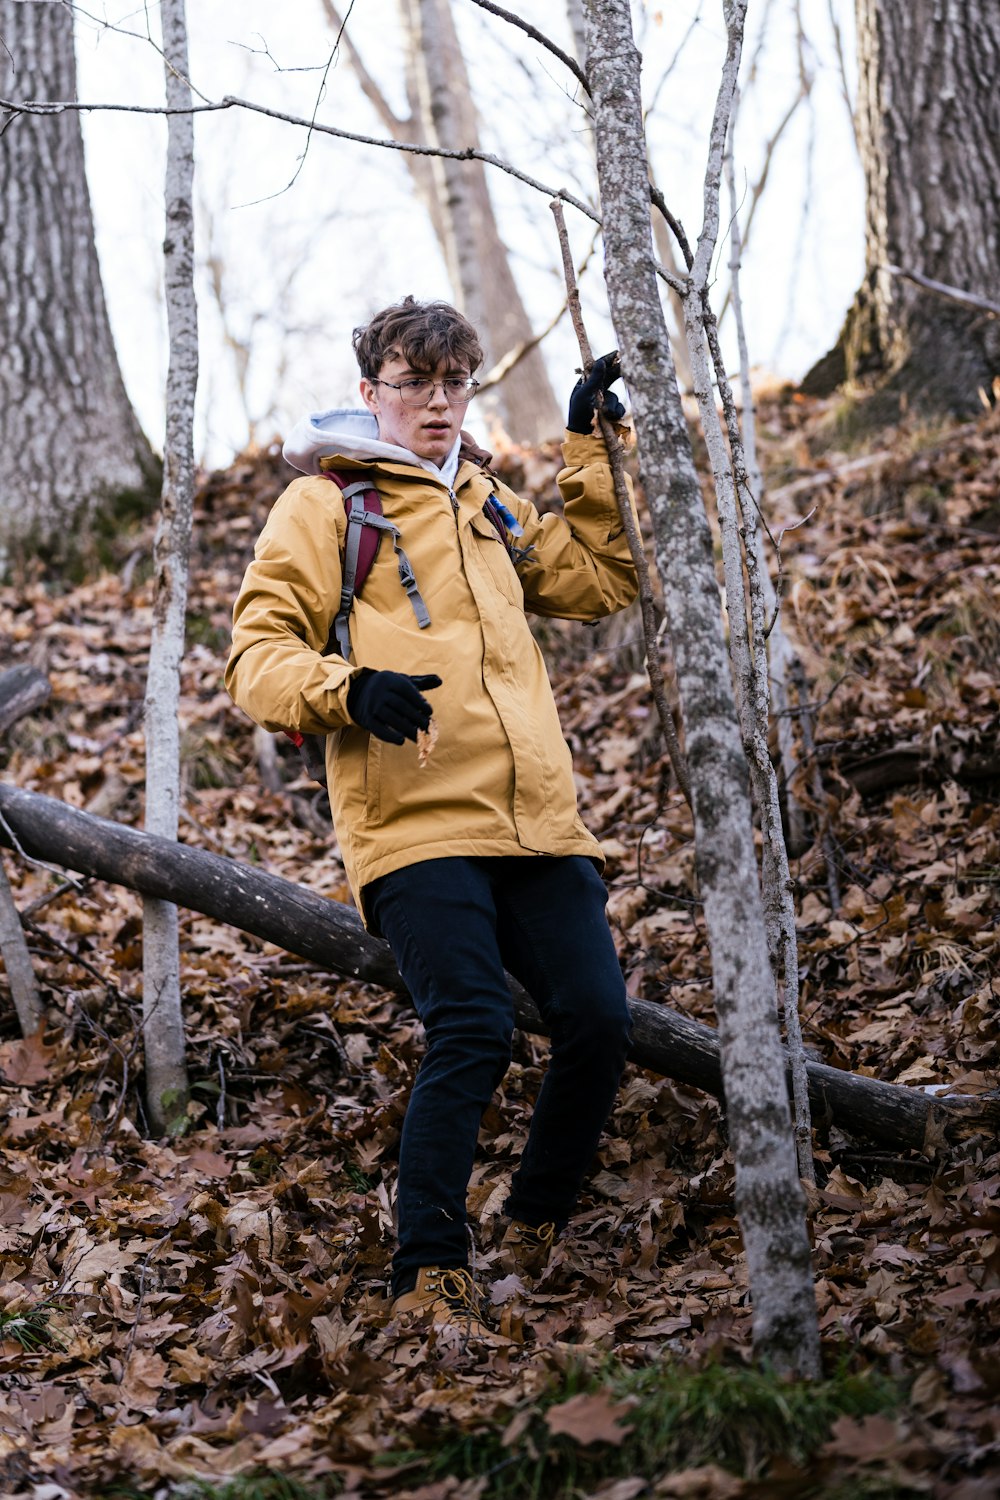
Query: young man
x,y
469,856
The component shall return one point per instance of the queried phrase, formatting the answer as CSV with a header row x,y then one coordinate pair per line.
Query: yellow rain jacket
x,y
500,779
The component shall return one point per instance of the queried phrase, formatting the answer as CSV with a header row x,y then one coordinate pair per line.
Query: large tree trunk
x,y
163,1019
331,935
478,259
928,121
769,1198
69,437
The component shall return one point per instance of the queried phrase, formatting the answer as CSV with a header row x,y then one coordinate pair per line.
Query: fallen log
x,y
22,689
876,770
332,935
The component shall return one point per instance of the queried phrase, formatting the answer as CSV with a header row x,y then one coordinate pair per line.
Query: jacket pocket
x,y
373,780
497,560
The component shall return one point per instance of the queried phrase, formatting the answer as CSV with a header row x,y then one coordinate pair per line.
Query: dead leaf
x,y
28,1061
866,1439
88,1263
590,1418
426,740
143,1381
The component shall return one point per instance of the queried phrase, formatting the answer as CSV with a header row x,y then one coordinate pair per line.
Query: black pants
x,y
454,925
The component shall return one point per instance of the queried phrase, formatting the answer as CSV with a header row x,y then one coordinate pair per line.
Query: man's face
x,y
428,431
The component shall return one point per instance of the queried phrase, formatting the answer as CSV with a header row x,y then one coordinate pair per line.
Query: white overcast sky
x,y
303,251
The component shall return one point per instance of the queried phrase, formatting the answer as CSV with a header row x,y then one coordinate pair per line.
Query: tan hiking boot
x,y
447,1296
526,1248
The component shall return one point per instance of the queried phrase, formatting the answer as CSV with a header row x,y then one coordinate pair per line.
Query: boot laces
x,y
538,1236
456,1287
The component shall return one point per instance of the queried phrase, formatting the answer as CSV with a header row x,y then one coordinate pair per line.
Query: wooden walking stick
x,y
616,458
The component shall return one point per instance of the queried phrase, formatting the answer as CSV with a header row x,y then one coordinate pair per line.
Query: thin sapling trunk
x,y
747,632
163,1021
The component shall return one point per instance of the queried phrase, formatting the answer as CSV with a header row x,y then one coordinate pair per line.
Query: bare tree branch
x,y
845,92
320,93
779,905
757,190
951,293
513,357
651,106
536,36
658,201
231,101
376,98
103,24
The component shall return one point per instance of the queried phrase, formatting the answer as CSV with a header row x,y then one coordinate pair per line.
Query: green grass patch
x,y
31,1327
738,1417
361,1182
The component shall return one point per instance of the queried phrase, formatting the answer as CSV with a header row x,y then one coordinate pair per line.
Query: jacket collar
x,y
352,434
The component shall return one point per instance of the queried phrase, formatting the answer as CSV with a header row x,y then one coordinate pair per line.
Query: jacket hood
x,y
349,433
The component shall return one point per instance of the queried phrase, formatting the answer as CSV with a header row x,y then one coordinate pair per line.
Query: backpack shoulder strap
x,y
365,524
361,544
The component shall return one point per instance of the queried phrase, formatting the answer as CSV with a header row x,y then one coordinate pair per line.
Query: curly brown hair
x,y
425,334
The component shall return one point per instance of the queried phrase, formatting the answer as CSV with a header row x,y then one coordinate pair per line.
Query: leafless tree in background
x,y
455,195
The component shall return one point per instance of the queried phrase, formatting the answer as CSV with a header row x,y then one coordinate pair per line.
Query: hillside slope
x,y
217,1302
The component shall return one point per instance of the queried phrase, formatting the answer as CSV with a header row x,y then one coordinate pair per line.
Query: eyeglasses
x,y
458,391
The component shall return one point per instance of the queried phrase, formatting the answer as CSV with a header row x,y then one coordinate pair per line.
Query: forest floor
x,y
208,1317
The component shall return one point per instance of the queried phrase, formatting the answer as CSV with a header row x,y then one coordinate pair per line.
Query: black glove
x,y
603,373
389,704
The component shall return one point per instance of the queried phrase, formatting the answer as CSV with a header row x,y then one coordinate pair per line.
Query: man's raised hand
x,y
603,373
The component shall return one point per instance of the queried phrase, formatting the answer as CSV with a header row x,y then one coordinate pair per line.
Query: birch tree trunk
x,y
69,437
747,625
163,1021
769,1198
773,661
928,128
